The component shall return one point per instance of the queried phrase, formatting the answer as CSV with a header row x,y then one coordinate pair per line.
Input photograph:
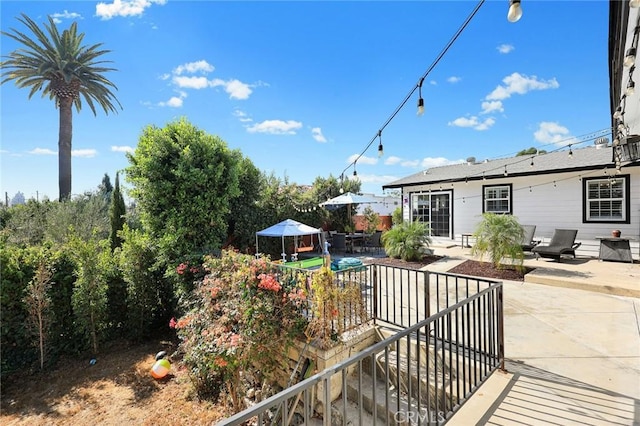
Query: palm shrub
x,y
408,241
499,236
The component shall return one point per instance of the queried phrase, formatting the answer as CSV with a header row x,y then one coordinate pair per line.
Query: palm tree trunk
x,y
64,148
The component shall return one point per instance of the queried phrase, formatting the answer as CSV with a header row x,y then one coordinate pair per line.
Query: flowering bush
x,y
240,318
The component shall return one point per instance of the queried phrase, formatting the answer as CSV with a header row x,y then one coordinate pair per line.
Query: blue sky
x,y
301,88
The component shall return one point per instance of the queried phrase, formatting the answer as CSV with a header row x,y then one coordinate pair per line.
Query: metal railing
x,y
421,374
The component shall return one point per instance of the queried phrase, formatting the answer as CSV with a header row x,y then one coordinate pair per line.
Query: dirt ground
x,y
117,389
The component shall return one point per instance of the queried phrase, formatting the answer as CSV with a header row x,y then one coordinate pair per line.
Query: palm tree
x,y
60,66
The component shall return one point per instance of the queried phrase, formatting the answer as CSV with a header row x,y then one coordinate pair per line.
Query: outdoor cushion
x,y
345,263
562,242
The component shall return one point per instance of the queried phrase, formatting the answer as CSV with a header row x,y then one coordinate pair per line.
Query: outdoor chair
x,y
339,243
528,243
563,242
373,241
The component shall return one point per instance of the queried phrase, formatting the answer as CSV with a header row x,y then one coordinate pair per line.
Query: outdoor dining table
x,y
355,239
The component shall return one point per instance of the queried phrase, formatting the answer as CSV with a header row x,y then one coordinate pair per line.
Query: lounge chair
x,y
528,243
563,242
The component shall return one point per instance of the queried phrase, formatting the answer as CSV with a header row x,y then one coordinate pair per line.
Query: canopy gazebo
x,y
288,228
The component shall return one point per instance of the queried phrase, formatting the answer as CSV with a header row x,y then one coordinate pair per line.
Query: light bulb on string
x,y
515,11
531,162
380,148
505,171
570,152
420,100
630,57
631,85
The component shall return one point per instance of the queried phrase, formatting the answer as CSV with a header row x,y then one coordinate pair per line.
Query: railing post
x,y
375,293
427,294
501,327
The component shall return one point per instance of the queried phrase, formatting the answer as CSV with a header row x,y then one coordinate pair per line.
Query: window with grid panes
x,y
496,199
605,199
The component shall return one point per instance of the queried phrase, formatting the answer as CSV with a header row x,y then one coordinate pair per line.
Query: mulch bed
x,y
486,269
469,267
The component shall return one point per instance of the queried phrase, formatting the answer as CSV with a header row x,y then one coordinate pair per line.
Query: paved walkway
x,y
572,344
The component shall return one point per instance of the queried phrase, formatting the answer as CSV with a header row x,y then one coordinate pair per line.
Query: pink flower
x,y
173,322
268,282
182,268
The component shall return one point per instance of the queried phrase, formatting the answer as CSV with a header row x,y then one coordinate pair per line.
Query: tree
x,y
105,188
530,151
89,297
64,69
117,213
38,305
183,181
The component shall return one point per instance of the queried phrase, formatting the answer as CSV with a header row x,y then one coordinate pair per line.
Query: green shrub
x,y
499,236
407,240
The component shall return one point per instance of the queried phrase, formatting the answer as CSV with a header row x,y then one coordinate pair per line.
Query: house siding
x,y
550,201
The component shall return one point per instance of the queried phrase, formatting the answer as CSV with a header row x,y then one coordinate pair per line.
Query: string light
x,y
631,86
420,100
531,162
570,152
515,11
380,148
505,170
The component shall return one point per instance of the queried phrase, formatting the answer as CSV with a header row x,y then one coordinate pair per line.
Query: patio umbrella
x,y
347,199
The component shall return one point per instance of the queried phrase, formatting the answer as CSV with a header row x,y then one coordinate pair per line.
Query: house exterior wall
x,y
549,201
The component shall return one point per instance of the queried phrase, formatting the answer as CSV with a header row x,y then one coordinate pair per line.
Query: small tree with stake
x,y
38,303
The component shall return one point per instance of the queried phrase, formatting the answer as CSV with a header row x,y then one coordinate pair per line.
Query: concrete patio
x,y
572,344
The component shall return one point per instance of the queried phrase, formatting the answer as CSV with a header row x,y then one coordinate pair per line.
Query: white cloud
x,y
316,132
193,67
520,84
237,89
473,122
58,17
453,79
122,148
392,160
42,151
491,106
429,162
234,87
174,101
433,83
124,8
550,132
366,178
276,127
505,48
242,116
85,153
191,82
362,160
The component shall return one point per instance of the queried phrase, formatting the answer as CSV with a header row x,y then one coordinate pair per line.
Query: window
x,y
496,199
606,200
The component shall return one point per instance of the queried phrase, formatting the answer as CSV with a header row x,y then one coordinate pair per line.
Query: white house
x,y
569,189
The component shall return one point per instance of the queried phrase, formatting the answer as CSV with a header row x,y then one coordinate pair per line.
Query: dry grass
x,y
118,389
